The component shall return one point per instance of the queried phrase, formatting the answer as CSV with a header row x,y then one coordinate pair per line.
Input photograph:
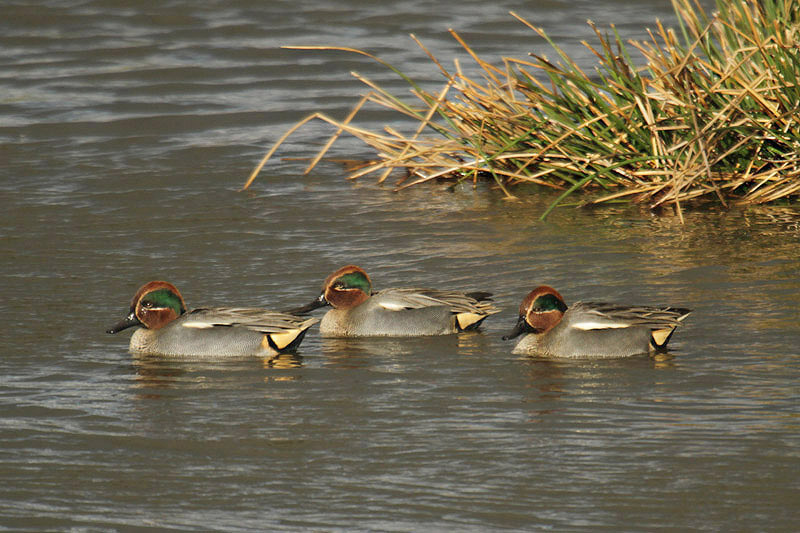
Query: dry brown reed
x,y
712,115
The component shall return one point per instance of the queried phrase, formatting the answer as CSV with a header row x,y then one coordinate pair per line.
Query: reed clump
x,y
712,114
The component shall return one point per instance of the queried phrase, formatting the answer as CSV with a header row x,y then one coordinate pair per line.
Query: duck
x,y
358,311
591,329
166,327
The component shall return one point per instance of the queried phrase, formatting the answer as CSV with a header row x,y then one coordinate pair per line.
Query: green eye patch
x,y
548,302
353,280
164,298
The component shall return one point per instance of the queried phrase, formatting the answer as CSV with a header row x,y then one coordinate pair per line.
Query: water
x,y
125,133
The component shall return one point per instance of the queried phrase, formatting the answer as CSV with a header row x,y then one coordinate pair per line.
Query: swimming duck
x,y
591,329
167,328
360,312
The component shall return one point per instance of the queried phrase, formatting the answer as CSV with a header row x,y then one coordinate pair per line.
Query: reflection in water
x,y
156,372
735,238
545,375
398,355
663,360
561,378
346,353
355,352
284,360
472,343
159,372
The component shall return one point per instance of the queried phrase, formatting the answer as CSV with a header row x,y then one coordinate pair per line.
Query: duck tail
x,y
469,321
287,341
660,337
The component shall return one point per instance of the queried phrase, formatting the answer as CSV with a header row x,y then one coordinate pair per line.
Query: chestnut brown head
x,y
347,287
539,312
155,304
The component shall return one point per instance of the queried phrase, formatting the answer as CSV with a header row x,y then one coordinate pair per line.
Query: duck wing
x,y
600,315
256,319
416,298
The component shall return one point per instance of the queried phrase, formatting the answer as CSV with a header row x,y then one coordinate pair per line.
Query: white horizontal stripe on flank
x,y
599,325
392,306
197,325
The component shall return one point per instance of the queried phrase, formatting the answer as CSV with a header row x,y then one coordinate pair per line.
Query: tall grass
x,y
713,114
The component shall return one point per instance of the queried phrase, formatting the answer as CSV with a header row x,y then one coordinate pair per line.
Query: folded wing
x,y
598,315
260,320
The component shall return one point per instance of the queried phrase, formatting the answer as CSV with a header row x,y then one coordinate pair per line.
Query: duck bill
x,y
520,328
315,304
127,322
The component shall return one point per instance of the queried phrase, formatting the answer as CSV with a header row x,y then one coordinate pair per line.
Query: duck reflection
x,y
159,372
556,379
284,360
359,352
546,376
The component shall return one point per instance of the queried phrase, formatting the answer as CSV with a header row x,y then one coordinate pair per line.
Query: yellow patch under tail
x,y
280,340
465,320
661,336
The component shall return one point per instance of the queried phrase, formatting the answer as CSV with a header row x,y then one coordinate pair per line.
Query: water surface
x,y
125,132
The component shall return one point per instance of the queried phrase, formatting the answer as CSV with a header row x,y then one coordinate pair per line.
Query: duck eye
x,y
147,304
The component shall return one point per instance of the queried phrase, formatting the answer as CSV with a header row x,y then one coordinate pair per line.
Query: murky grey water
x,y
124,134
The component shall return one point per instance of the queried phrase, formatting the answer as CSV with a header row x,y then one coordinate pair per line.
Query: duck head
x,y
154,305
346,288
539,312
